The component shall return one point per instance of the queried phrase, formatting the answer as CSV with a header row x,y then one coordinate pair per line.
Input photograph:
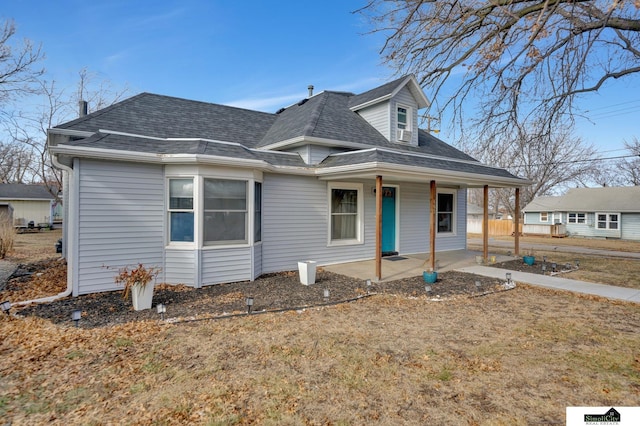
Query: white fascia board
x,y
416,91
69,132
146,157
371,102
301,140
425,172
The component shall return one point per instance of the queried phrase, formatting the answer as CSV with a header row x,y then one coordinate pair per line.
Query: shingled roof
x,y
20,191
605,199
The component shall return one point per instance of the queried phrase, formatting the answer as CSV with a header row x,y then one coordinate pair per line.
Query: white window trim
x,y
247,212
546,220
181,244
409,117
608,221
576,218
454,216
360,215
198,212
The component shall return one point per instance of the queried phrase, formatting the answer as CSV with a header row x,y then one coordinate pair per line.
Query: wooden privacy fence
x,y
496,227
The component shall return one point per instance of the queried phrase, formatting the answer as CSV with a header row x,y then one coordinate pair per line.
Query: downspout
x,y
69,289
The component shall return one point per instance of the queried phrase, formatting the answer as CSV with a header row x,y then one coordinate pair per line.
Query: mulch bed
x,y
271,292
536,268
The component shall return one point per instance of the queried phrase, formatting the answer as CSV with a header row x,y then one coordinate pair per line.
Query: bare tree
x,y
28,130
18,72
16,163
628,169
521,60
553,161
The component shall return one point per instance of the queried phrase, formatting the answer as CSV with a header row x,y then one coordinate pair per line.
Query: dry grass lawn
x,y
513,358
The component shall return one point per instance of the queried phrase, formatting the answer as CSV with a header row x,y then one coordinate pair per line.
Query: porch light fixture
x,y
161,308
326,294
75,317
5,306
508,277
249,304
554,266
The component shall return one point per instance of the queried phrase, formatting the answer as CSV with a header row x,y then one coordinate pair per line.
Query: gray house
x,y
215,194
588,212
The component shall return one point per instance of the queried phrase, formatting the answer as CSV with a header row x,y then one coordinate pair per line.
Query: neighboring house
x,y
475,214
588,212
6,212
31,203
215,194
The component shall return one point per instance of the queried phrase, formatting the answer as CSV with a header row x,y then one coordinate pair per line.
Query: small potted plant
x,y
139,281
430,276
529,257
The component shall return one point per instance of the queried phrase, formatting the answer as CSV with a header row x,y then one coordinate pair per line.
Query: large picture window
x,y
346,210
445,210
225,211
181,210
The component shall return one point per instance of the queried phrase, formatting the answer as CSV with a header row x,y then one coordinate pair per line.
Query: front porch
x,y
412,265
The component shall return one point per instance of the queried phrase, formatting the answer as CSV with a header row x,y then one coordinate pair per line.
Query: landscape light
x,y
427,288
368,286
577,263
544,258
75,316
161,308
554,267
544,268
478,284
249,304
509,277
5,306
326,294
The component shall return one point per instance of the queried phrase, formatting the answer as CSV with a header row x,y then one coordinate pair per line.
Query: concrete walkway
x,y
406,266
608,291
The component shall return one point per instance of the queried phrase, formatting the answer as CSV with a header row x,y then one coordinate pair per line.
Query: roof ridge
x,y
315,116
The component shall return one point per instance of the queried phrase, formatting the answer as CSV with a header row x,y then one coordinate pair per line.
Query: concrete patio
x,y
411,265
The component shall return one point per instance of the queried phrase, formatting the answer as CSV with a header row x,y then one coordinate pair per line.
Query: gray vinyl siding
x,y
630,226
226,265
180,267
314,154
533,218
414,218
257,261
304,152
295,215
458,241
378,116
120,221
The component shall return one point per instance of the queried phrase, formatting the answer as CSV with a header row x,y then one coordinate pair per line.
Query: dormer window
x,y
403,123
402,119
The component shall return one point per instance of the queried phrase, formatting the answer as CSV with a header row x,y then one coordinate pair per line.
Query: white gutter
x,y
69,289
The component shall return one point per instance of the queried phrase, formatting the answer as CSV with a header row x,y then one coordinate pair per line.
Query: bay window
x,y
181,210
225,211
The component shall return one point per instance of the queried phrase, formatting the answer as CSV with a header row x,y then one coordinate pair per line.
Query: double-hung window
x,y
181,210
225,211
608,220
577,218
346,205
445,212
403,114
544,217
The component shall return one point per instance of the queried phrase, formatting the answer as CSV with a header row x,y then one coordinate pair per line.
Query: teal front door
x,y
388,220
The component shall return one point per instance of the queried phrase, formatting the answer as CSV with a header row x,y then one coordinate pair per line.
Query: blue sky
x,y
253,54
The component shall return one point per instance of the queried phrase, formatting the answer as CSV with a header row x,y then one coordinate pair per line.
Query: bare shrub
x,y
7,235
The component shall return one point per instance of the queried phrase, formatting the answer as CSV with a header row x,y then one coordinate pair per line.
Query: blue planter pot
x,y
529,260
430,277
